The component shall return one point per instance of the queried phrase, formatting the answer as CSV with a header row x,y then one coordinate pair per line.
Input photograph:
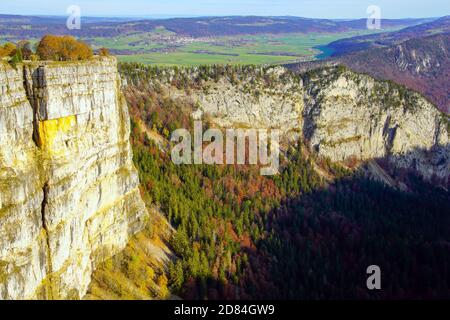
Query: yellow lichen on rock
x,y
49,130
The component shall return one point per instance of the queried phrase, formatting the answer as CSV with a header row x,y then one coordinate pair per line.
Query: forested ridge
x,y
290,236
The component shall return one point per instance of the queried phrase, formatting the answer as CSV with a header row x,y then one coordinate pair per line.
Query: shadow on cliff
x,y
418,169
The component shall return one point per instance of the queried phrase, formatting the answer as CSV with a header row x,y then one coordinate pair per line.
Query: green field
x,y
162,47
187,59
260,49
248,49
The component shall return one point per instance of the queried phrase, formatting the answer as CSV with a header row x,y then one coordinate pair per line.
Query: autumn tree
x,y
7,50
162,283
64,48
103,52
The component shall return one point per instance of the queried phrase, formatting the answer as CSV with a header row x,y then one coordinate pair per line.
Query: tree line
x,y
49,48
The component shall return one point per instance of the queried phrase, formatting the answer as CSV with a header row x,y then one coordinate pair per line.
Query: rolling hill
x,y
359,43
34,27
422,64
416,57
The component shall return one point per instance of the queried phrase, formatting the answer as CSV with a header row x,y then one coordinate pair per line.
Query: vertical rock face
x,y
69,194
341,115
23,250
350,115
253,103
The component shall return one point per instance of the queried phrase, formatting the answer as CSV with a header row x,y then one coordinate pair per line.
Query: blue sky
x,y
303,8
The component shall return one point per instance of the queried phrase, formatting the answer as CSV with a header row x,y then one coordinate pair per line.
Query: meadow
x,y
165,48
246,49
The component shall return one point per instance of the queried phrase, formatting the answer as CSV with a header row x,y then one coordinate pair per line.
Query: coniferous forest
x,y
290,236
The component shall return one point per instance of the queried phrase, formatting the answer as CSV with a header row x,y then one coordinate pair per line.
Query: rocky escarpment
x,y
422,64
349,115
69,194
253,104
339,114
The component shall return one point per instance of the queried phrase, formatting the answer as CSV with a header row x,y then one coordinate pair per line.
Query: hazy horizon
x,y
169,16
150,9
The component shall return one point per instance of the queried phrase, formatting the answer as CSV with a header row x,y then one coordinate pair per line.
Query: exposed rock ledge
x,y
69,194
341,115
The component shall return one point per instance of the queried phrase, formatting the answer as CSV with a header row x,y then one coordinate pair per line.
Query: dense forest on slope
x,y
416,57
294,235
387,39
422,64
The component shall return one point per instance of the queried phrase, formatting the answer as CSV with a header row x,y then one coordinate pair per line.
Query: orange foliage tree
x,y
64,48
103,52
7,49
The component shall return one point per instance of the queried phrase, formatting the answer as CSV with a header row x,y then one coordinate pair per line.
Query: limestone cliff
x,y
339,114
350,115
69,196
254,104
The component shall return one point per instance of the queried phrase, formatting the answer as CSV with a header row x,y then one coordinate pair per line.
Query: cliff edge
x,y
339,114
69,196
